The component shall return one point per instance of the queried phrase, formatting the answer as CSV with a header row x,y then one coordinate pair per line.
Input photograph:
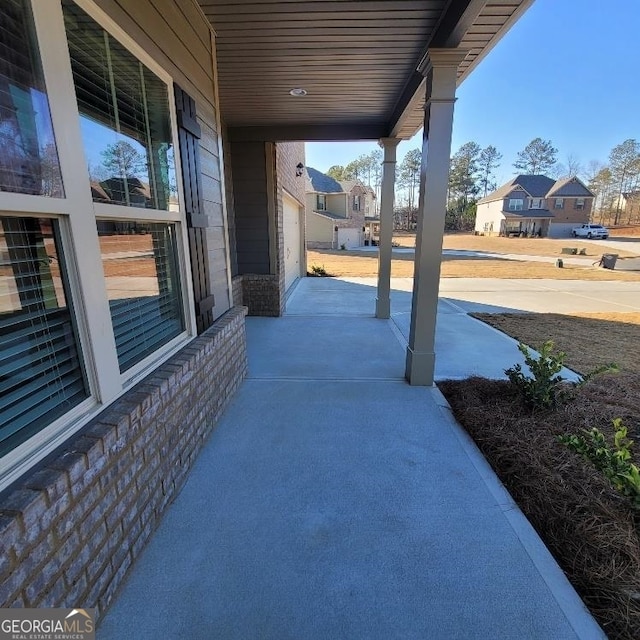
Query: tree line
x,y
472,176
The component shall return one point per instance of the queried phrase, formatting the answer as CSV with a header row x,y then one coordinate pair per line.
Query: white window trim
x,y
77,215
516,208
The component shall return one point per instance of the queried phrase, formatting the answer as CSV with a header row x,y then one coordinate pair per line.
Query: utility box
x,y
608,260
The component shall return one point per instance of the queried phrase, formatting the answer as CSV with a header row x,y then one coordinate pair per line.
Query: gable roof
x,y
539,186
570,187
321,182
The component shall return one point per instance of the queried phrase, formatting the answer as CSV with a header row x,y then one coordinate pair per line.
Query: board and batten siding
x,y
251,206
179,38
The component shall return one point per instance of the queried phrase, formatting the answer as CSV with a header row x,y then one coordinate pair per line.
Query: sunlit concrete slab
x,y
542,296
323,509
336,347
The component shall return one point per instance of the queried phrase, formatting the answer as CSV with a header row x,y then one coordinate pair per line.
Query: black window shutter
x,y
197,222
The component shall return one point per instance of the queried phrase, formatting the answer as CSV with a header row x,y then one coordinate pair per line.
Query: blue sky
x,y
566,72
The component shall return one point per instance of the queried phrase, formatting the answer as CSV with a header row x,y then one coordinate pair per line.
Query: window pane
x,y
41,376
29,158
125,118
140,266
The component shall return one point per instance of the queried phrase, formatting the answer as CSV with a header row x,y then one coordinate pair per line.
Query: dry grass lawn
x,y
365,265
588,339
521,246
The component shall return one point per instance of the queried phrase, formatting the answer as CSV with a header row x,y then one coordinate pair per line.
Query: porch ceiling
x,y
357,60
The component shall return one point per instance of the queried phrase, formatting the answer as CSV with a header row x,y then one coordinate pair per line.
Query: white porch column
x,y
387,193
441,72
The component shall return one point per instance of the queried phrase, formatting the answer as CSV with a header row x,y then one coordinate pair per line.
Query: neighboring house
x,y
631,207
535,205
336,211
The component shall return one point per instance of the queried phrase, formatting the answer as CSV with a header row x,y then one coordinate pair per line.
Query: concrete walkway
x,y
334,501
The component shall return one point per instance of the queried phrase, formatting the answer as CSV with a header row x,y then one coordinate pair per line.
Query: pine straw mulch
x,y
584,522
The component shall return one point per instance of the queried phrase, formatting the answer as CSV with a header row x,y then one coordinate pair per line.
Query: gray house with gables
x,y
535,205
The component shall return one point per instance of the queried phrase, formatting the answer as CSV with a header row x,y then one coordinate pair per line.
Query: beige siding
x,y
489,213
337,203
319,228
178,37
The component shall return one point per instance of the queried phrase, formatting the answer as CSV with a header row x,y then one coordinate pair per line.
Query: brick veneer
x,y
70,531
263,294
236,290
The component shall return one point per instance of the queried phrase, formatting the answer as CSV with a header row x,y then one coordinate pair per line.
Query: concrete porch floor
x,y
335,501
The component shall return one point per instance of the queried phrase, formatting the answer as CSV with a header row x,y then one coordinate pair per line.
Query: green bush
x,y
614,462
319,271
545,387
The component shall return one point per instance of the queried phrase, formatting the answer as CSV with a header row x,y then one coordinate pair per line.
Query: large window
x,y
126,131
41,376
28,154
124,112
516,204
109,246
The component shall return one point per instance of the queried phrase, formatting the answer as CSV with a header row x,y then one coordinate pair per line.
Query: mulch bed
x,y
589,527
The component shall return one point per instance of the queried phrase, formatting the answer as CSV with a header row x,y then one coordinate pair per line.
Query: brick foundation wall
x,y
236,287
263,294
70,531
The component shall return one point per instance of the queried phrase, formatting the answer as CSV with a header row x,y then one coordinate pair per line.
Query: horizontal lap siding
x,y
177,36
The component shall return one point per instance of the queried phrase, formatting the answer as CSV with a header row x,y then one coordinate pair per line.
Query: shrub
x,y
319,271
614,462
545,387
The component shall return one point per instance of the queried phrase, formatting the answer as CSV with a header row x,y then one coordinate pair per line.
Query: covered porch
x,y
328,71
336,501
84,490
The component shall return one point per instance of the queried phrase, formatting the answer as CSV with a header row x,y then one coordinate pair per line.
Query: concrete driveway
x,y
631,245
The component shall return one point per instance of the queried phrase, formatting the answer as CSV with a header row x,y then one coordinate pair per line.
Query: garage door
x,y
292,240
350,238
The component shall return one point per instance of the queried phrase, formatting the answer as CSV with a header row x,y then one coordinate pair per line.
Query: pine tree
x,y
624,162
488,161
538,157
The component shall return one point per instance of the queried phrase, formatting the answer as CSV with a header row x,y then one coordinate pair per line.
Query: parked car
x,y
590,231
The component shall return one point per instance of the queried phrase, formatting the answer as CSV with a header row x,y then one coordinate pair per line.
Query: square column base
x,y
420,368
383,308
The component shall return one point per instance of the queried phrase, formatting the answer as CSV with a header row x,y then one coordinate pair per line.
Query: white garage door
x,y
350,238
292,240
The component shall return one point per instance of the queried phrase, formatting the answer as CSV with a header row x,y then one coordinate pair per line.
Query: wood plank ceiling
x,y
357,60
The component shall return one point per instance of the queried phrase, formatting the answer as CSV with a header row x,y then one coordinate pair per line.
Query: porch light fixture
x,y
298,92
299,169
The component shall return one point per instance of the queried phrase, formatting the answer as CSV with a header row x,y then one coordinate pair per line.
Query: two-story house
x,y
335,211
535,205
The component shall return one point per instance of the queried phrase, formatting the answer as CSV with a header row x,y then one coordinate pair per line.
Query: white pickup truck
x,y
590,231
